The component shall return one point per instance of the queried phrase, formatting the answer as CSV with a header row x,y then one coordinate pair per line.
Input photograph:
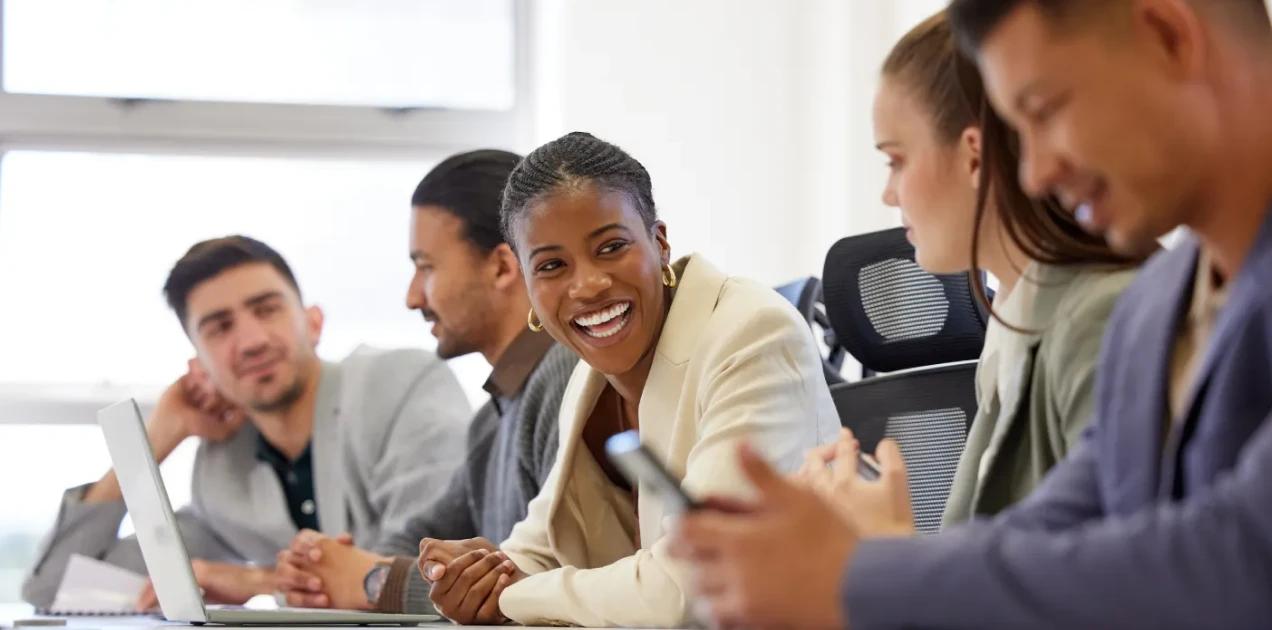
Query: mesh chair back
x,y
806,295
890,314
927,412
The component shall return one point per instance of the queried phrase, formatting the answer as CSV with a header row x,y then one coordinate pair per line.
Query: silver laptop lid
x,y
151,512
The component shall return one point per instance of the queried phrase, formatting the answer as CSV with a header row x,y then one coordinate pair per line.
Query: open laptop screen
x,y
151,512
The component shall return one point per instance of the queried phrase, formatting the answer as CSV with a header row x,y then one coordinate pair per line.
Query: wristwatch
x,y
373,582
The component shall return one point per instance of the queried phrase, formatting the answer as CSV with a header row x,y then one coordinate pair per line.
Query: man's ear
x,y
313,322
507,269
1174,34
659,231
969,151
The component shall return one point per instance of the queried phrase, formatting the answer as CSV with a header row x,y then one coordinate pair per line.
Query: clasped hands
x,y
467,578
741,577
320,571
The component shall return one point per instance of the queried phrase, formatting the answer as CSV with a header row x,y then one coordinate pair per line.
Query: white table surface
x,y
12,612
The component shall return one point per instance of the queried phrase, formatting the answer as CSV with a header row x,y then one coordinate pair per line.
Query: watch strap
x,y
393,594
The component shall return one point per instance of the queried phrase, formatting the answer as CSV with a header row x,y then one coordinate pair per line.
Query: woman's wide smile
x,y
604,325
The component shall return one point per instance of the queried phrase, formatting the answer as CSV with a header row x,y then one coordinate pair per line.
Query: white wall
x,y
753,116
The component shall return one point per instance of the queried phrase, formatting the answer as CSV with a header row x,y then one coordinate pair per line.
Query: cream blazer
x,y
735,362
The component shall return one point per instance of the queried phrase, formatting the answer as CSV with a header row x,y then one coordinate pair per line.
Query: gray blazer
x,y
388,432
1036,390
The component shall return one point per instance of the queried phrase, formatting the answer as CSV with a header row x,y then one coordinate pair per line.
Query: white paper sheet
x,y
91,586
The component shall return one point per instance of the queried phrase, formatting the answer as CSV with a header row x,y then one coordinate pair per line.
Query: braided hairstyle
x,y
572,162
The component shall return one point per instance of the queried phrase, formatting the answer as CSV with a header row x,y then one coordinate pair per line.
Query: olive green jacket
x,y
1036,389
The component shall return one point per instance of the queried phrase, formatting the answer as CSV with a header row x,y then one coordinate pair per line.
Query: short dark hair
x,y
575,159
207,259
470,187
974,20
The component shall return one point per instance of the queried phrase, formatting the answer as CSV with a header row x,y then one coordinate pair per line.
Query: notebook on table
x,y
92,587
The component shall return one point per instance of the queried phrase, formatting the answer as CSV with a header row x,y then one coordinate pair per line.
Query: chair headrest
x,y
892,315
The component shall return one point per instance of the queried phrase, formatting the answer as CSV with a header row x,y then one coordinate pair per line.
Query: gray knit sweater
x,y
512,445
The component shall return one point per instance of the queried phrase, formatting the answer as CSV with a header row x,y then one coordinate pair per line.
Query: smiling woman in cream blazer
x,y
697,360
734,361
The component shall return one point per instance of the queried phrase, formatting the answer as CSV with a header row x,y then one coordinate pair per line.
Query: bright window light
x,y
394,53
48,460
86,241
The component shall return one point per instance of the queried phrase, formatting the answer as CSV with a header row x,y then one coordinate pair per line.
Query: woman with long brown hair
x,y
953,174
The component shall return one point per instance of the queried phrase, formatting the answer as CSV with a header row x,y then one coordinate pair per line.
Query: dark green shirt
x,y
297,479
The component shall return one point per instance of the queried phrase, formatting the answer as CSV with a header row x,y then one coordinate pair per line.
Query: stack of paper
x,y
92,587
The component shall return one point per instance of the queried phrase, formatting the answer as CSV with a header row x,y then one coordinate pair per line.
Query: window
x,y
909,13
398,53
81,457
129,129
86,240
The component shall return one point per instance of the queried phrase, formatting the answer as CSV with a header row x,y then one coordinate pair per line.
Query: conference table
x,y
10,613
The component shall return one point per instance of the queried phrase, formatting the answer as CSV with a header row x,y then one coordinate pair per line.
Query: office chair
x,y
806,295
927,331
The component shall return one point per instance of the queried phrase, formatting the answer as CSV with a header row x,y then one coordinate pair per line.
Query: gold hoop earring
x,y
669,277
533,322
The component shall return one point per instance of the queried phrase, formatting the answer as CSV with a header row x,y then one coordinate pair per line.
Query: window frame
x,y
226,128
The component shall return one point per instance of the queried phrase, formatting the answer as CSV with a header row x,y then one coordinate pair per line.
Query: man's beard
x,y
281,402
455,343
454,347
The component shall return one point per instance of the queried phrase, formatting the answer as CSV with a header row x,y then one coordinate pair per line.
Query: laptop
x,y
165,553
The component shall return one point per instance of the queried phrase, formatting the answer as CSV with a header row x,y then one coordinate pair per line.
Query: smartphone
x,y
640,466
867,467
